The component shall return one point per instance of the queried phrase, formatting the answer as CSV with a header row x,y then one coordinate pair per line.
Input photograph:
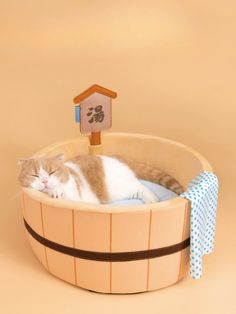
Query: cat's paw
x,y
149,197
56,193
152,199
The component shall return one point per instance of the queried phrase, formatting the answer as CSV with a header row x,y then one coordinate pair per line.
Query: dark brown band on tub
x,y
108,256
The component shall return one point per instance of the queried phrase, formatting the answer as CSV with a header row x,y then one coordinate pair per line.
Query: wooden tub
x,y
116,249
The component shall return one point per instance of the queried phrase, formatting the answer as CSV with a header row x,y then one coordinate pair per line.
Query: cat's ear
x,y
60,157
21,161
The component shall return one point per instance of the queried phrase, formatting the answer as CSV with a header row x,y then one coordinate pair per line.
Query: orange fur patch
x,y
29,168
153,174
92,169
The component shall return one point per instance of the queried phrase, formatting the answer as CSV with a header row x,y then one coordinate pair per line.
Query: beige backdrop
x,y
173,66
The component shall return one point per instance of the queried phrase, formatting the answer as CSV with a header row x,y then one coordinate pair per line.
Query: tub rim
x,y
107,208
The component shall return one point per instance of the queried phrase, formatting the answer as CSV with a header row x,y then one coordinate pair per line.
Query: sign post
x,y
94,112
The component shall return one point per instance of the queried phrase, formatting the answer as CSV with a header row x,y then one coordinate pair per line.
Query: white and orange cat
x,y
93,179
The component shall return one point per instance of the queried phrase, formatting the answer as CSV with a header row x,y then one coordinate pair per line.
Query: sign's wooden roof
x,y
94,89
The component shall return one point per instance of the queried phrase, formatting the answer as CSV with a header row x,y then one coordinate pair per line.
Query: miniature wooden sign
x,y
94,111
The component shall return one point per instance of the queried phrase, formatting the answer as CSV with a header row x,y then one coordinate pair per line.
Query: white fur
x,y
54,187
66,190
86,194
121,182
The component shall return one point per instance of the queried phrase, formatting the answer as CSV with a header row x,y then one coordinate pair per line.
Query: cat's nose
x,y
45,180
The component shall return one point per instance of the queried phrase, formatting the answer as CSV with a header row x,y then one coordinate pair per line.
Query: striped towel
x,y
203,194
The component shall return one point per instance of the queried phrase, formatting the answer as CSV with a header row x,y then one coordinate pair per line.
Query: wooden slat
x,y
33,215
129,277
167,225
164,271
130,231
93,275
61,265
58,226
92,231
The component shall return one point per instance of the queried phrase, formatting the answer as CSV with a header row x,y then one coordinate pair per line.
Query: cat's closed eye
x,y
52,172
34,175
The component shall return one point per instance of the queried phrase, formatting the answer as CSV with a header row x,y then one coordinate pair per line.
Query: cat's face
x,y
43,173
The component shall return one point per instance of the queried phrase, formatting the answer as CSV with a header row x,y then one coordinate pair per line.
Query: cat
x,y
95,179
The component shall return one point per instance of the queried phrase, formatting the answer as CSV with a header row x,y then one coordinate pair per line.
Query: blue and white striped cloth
x,y
203,195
